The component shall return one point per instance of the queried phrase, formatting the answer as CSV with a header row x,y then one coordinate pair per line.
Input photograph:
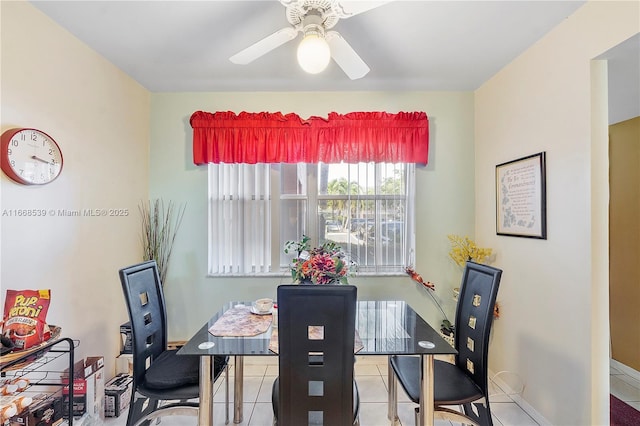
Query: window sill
x,y
285,277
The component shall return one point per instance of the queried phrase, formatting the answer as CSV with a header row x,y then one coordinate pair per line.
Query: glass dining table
x,y
384,327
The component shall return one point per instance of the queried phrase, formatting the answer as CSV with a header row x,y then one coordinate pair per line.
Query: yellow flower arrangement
x,y
464,249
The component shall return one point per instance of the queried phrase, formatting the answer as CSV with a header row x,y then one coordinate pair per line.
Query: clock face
x,y
30,156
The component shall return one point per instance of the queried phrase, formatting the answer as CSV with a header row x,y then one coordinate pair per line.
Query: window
x,y
255,208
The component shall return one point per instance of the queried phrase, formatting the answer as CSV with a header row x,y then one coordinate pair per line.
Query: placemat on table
x,y
239,321
316,333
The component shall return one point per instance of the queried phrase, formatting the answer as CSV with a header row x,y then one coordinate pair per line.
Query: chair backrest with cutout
x,y
145,302
474,317
316,328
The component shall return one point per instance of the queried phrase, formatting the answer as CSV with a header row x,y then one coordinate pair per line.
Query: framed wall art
x,y
521,197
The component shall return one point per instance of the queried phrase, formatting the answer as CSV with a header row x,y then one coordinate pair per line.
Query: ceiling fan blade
x,y
345,56
264,46
347,8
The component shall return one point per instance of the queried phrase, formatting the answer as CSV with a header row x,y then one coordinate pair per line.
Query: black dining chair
x,y
316,329
164,383
464,382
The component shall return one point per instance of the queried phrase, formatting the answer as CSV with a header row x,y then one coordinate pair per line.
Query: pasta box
x,y
88,388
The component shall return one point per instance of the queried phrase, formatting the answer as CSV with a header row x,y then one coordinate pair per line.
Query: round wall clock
x,y
30,156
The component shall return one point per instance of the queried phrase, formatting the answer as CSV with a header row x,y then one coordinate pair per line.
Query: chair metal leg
x,y
238,368
226,395
168,410
139,408
131,415
454,416
392,397
482,413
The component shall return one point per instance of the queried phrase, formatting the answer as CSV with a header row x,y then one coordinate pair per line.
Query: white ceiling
x,y
184,46
178,46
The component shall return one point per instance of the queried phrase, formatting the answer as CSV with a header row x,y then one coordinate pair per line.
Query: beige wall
x,y
445,195
100,119
552,336
624,233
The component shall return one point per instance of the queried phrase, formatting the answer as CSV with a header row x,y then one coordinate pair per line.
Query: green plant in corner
x,y
160,224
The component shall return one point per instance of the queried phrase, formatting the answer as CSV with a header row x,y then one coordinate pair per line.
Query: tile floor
x,y
371,375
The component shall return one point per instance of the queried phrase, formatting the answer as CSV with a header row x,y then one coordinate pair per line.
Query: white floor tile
x,y
366,369
510,414
496,394
261,360
218,415
406,414
371,389
254,370
383,369
371,378
220,389
251,388
371,359
373,414
402,396
262,415
272,370
266,389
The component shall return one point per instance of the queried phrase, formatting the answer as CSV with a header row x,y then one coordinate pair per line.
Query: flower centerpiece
x,y
325,264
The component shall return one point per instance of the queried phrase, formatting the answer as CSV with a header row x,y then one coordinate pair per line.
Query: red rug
x,y
623,414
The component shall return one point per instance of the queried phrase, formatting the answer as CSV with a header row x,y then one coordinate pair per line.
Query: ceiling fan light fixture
x,y
313,51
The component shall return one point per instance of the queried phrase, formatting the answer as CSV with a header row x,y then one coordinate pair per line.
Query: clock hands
x,y
34,157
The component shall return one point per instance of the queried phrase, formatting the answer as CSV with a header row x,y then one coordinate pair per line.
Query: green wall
x,y
445,195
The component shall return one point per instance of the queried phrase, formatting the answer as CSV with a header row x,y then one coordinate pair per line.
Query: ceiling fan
x,y
313,18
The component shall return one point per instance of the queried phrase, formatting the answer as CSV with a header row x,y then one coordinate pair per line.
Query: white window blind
x,y
367,208
239,219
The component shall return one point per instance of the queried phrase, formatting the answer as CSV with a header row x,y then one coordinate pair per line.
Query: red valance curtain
x,y
226,137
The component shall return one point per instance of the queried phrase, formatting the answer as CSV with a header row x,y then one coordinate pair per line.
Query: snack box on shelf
x,y
88,388
117,395
44,410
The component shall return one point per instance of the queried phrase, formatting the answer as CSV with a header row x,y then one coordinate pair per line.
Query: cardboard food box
x,y
45,410
124,364
88,389
117,395
127,338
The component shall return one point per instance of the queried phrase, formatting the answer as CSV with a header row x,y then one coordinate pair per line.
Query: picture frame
x,y
521,197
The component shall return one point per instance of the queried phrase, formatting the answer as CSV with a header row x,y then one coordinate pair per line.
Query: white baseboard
x,y
526,407
625,369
